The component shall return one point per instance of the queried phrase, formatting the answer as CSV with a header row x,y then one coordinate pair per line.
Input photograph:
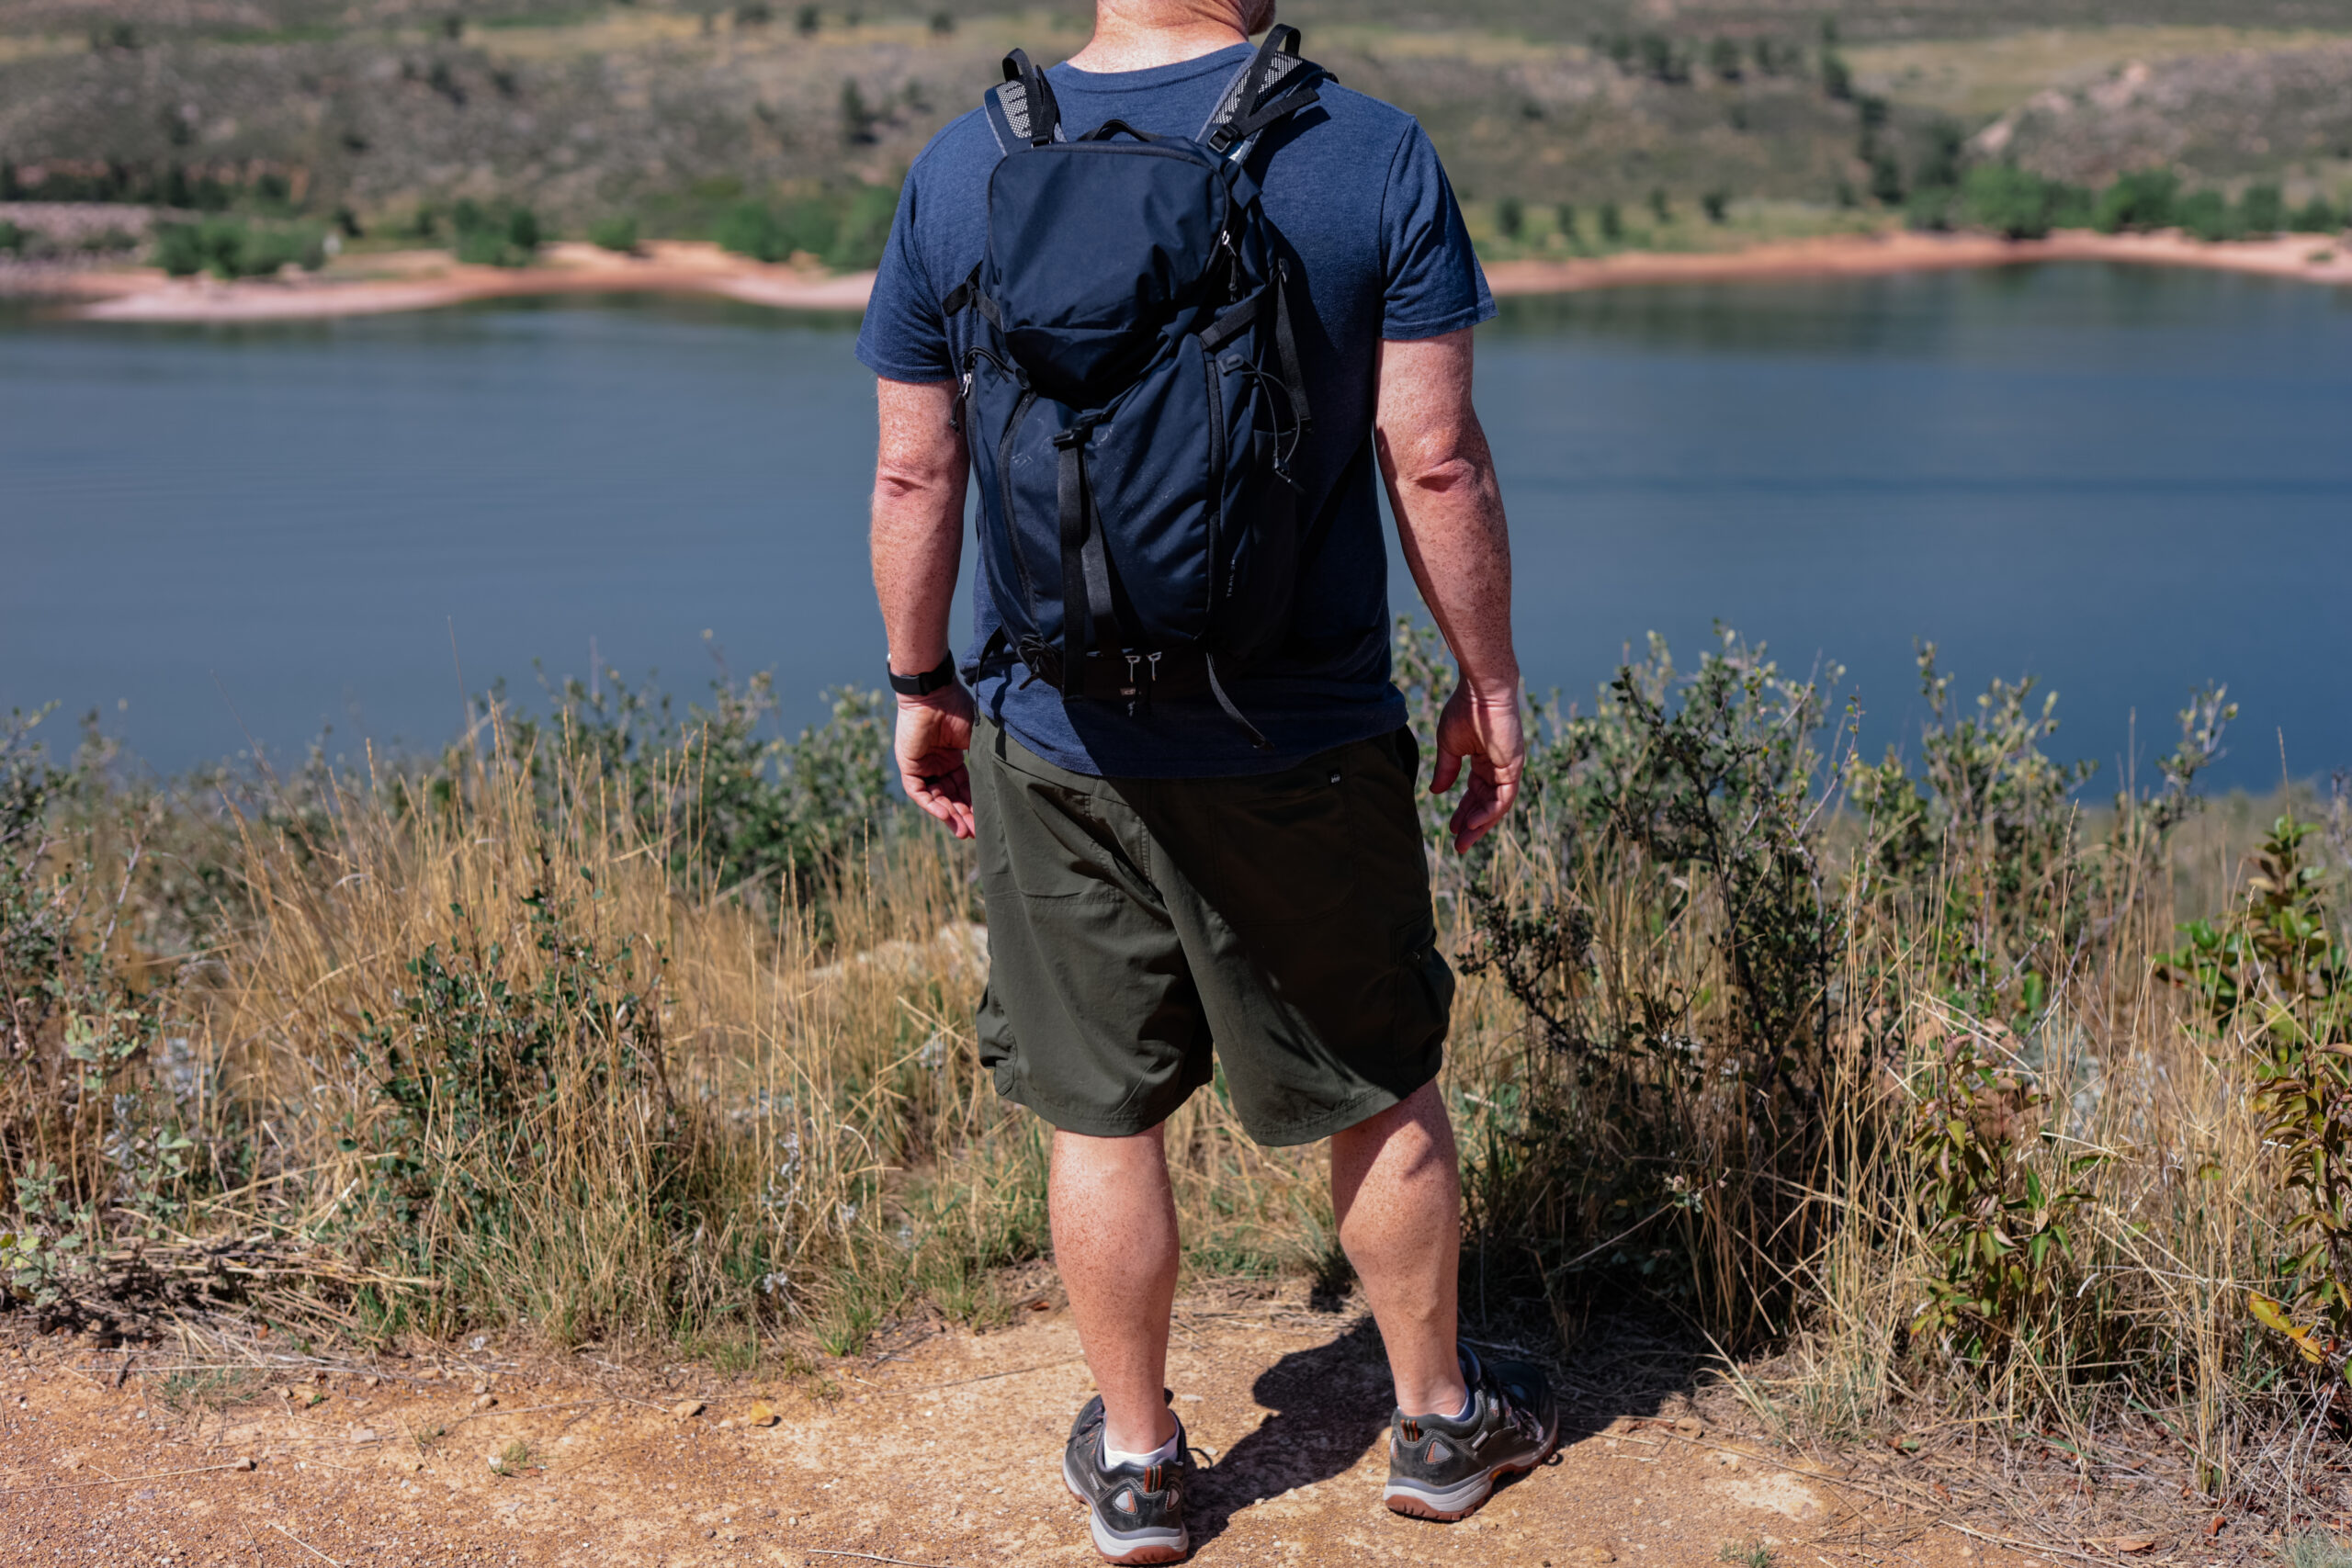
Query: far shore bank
x,y
428,280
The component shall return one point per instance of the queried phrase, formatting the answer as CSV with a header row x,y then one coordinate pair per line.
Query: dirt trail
x,y
945,1452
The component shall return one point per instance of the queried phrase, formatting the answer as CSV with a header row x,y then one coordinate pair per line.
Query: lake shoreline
x,y
429,280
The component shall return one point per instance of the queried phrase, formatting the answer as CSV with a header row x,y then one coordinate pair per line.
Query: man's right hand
x,y
1484,729
934,732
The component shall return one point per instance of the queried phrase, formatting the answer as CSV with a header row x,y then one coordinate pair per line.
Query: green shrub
x,y
2143,200
1510,217
2317,217
2207,215
2018,203
749,228
865,229
2262,210
1612,222
230,247
615,233
499,235
12,238
1716,204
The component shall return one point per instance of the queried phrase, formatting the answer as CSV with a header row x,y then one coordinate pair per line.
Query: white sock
x,y
1469,1406
1112,1457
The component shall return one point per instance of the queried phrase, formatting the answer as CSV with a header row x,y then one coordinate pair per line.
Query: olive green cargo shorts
x,y
1135,925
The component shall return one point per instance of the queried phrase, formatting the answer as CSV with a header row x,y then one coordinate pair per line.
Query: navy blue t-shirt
x,y
1354,189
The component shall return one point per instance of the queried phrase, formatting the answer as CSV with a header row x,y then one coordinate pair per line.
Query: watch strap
x,y
923,686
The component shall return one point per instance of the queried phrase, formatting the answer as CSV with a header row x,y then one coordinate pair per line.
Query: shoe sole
x,y
1460,1502
1158,1546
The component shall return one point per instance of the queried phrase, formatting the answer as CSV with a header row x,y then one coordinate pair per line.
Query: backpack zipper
x,y
1004,485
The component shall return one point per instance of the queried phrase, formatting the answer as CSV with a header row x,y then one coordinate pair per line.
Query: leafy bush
x,y
2018,203
232,247
2316,216
496,235
2262,210
614,233
2138,201
2273,979
13,238
2207,215
750,228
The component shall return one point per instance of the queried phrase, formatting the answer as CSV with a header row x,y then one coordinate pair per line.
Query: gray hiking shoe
x,y
1137,1510
1441,1468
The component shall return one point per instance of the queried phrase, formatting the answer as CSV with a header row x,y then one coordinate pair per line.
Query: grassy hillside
x,y
675,113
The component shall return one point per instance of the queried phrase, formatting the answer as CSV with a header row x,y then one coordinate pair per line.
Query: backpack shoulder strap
x,y
1020,109
1270,85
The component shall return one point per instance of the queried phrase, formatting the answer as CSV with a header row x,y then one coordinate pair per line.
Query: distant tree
x,y
1886,180
1717,206
2018,203
2317,217
1612,222
808,19
1663,59
1723,59
453,27
2147,199
1836,78
1510,217
749,228
2207,215
857,120
1661,209
943,24
755,14
1940,168
2262,210
1771,58
1563,218
13,238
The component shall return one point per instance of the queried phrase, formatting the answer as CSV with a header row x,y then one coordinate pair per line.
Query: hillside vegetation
x,y
663,117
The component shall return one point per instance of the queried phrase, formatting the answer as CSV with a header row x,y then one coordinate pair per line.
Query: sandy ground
x,y
944,1452
427,280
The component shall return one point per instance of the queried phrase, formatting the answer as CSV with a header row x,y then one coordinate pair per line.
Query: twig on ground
x,y
123,1480
528,1409
984,1377
305,1545
867,1556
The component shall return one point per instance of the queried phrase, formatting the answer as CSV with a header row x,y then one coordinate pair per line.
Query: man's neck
x,y
1122,44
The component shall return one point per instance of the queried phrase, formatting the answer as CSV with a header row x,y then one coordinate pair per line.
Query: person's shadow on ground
x,y
1330,1402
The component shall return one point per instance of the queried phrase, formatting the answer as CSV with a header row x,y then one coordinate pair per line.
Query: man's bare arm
x,y
1449,509
919,474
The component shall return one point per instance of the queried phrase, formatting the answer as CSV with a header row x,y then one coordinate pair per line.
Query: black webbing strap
x,y
1249,104
1086,565
963,293
1022,109
1291,101
1228,324
1286,345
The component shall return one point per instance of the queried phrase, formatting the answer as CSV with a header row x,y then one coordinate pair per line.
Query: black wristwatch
x,y
923,686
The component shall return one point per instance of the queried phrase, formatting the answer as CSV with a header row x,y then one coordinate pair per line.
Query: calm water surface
x,y
2125,482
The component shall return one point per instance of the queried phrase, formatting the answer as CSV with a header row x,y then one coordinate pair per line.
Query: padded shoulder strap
x,y
1274,83
1020,109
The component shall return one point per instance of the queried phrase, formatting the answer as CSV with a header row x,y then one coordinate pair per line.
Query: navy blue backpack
x,y
1132,398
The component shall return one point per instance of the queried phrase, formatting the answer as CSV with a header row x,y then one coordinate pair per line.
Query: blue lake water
x,y
2125,482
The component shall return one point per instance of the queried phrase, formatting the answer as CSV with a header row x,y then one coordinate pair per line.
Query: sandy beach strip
x,y
421,281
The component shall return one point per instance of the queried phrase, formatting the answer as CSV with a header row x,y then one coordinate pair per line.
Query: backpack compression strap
x,y
1271,85
1020,109
1274,83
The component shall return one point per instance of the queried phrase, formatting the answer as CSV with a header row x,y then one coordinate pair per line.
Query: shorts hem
x,y
1339,1118
1088,1123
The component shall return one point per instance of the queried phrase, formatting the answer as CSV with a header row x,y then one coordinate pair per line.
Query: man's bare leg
x,y
1114,1241
1396,1189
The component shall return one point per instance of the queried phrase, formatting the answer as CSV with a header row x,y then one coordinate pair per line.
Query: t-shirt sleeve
x,y
1433,284
904,335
